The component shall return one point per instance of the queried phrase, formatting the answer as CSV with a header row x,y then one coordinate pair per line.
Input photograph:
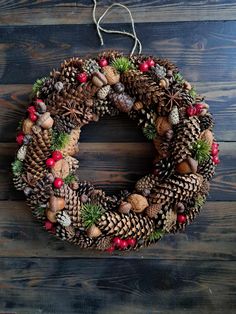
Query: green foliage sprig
x,y
122,64
156,235
90,213
70,178
17,167
201,150
59,140
179,78
150,132
199,201
193,93
38,85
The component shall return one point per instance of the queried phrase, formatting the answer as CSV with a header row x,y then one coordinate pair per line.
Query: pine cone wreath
x,y
167,109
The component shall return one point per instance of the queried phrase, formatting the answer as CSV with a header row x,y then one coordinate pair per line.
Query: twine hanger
x,y
101,29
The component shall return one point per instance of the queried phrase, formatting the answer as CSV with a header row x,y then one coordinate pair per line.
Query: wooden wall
x,y
192,272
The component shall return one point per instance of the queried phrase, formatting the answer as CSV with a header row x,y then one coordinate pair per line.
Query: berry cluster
x,y
121,244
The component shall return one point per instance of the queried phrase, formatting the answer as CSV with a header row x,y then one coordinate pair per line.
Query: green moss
x,y
122,64
150,132
201,150
59,140
90,213
17,167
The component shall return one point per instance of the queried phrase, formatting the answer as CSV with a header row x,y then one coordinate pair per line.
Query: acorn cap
x,y
94,232
187,166
162,125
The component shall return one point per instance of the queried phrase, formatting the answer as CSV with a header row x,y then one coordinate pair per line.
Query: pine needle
x,y
156,235
70,178
201,150
90,213
17,167
38,85
59,140
193,93
122,64
150,132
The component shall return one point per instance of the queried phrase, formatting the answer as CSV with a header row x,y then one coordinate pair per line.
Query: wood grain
x,y
35,285
117,166
29,12
203,51
205,239
221,97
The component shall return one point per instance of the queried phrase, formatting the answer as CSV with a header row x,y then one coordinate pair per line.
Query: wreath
x,y
170,113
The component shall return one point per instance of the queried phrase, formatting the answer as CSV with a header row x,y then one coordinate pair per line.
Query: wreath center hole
x,y
114,154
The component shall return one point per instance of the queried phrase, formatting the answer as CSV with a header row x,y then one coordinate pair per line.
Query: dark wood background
x,y
192,272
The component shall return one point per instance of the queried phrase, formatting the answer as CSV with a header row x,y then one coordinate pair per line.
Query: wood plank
x,y
221,97
109,286
80,12
203,51
210,237
116,166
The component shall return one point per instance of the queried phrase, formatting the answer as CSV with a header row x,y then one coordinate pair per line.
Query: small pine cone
x,y
205,187
103,243
187,98
73,164
122,101
145,117
153,210
174,116
207,169
72,205
164,168
90,66
206,122
66,233
19,183
85,188
48,87
107,202
40,193
68,74
169,221
185,135
63,218
63,124
158,72
145,183
84,241
72,62
110,55
72,147
126,226
39,213
104,107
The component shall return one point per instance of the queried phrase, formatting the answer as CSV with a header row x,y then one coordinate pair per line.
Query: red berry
x,y
116,241
58,183
150,63
111,249
103,62
123,244
38,100
53,230
131,242
20,138
57,155
144,67
216,160
214,151
191,111
181,218
215,145
199,107
31,109
48,225
82,77
33,117
50,162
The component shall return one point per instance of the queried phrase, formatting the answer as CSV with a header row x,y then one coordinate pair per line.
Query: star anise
x,y
29,179
78,115
169,99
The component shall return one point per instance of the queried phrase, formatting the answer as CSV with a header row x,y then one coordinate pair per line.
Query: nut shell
x,y
111,74
27,126
99,79
138,202
61,169
56,203
162,125
94,232
125,207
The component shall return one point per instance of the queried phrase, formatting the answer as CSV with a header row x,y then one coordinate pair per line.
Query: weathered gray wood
x,y
221,97
117,166
205,239
50,285
79,12
203,51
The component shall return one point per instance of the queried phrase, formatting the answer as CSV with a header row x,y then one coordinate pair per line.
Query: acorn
x,y
27,126
162,125
93,232
103,92
45,120
99,79
124,208
187,166
138,202
61,169
56,203
111,74
187,85
51,216
164,83
207,136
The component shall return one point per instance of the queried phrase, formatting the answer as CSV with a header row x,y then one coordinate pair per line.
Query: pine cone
x,y
72,62
144,117
85,188
126,226
164,168
185,135
84,241
103,243
141,86
110,55
72,204
19,183
37,152
48,87
206,122
104,107
146,183
63,124
66,233
68,74
90,66
72,147
207,169
123,102
107,202
39,213
169,220
158,72
73,164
